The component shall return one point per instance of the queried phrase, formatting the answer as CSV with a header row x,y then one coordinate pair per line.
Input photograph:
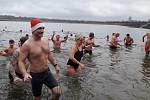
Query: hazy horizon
x,y
94,10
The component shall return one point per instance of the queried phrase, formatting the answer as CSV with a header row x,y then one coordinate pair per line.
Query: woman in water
x,y
76,53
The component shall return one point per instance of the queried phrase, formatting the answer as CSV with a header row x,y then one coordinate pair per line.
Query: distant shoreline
x,y
135,24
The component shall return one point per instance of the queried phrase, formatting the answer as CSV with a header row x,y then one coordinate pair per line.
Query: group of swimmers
x,y
33,53
128,41
114,41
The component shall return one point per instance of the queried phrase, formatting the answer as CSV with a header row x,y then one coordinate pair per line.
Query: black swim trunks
x,y
38,79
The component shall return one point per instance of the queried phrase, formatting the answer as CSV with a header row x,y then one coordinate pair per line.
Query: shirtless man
x,y
15,75
57,42
89,43
8,51
147,43
36,49
128,40
114,41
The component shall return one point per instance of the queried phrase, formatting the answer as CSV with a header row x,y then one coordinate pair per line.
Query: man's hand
x,y
118,46
57,68
82,65
27,77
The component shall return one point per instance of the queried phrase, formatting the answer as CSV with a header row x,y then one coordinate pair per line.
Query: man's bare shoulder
x,y
27,42
26,45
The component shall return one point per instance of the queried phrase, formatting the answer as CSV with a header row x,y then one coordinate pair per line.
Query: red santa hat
x,y
35,24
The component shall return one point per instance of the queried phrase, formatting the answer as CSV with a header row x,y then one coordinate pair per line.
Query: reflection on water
x,y
146,66
120,74
114,55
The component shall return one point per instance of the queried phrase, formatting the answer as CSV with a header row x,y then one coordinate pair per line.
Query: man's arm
x,y
124,40
144,37
4,52
52,38
113,39
22,57
95,45
52,60
132,40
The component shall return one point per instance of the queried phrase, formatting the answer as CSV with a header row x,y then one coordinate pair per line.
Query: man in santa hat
x,y
36,49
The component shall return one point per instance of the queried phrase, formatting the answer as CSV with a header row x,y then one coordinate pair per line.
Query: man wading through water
x,y
36,49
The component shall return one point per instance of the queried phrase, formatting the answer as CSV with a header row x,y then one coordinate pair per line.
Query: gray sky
x,y
78,9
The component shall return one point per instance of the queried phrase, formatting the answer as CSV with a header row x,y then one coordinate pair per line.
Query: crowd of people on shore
x,y
33,53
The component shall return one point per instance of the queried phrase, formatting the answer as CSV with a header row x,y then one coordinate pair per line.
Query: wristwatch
x,y
55,65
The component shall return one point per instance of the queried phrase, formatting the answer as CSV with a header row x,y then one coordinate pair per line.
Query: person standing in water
x,y
15,75
36,49
74,65
114,43
57,42
89,43
128,40
8,51
147,43
107,38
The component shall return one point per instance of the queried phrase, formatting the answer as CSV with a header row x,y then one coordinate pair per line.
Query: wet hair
x,y
128,34
27,34
113,33
22,40
117,33
91,34
78,36
11,41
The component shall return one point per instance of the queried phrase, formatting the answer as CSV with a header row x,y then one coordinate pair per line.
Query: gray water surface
x,y
122,74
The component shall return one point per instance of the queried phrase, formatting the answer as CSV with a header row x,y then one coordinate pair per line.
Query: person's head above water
x,y
22,40
128,35
91,34
78,37
11,43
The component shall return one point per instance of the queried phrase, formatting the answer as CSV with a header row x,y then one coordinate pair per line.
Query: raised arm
x,y
144,37
52,38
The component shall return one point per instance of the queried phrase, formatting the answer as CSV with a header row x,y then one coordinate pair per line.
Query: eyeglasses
x,y
41,28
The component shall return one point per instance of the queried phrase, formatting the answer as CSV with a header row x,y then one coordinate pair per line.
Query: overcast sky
x,y
78,9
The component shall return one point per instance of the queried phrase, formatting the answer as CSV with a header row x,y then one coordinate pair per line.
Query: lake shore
x,y
135,24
